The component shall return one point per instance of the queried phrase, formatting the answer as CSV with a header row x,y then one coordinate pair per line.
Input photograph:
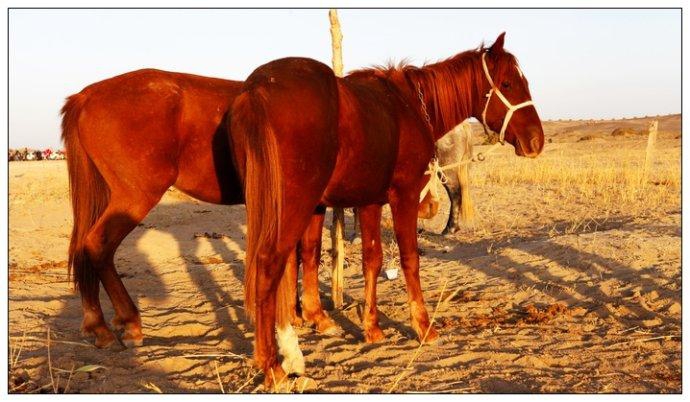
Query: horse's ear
x,y
498,45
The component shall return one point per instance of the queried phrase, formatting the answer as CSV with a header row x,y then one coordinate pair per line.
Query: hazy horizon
x,y
581,64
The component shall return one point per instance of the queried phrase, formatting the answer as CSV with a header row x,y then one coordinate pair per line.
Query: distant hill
x,y
576,130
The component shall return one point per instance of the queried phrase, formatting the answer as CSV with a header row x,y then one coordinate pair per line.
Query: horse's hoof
x,y
297,321
105,343
132,342
108,342
327,326
293,364
105,339
433,338
333,331
132,336
373,335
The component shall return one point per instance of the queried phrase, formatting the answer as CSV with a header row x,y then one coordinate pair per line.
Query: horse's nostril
x,y
536,144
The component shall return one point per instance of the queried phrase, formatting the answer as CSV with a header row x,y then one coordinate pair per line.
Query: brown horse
x,y
130,138
303,138
172,124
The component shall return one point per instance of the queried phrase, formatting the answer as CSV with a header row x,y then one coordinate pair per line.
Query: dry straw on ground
x,y
571,282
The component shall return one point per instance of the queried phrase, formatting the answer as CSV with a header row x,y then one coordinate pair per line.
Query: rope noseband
x,y
511,108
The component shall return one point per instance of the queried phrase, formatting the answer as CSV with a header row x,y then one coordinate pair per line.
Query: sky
x,y
580,63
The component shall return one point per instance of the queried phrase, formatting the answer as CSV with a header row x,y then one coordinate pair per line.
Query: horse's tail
x,y
263,190
463,172
89,194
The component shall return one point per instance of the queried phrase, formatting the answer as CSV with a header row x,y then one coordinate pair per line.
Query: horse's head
x,y
506,104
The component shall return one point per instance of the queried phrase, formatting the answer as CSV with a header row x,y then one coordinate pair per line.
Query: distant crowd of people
x,y
28,154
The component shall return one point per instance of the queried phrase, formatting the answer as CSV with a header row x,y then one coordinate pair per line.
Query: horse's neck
x,y
453,105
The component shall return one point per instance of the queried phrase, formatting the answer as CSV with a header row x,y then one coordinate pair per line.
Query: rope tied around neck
x,y
438,176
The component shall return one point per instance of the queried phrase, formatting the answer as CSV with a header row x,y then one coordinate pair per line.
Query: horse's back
x,y
153,120
294,102
301,93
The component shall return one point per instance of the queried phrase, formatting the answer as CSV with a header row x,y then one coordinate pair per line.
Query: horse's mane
x,y
448,86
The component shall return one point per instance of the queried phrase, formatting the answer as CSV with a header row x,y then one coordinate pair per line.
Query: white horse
x,y
454,152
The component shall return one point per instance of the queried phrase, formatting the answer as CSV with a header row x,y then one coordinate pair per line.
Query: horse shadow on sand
x,y
591,267
185,310
193,309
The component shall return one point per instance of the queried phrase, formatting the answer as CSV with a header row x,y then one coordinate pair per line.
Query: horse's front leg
x,y
404,206
372,259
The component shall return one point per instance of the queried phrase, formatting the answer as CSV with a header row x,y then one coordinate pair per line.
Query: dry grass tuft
x,y
606,181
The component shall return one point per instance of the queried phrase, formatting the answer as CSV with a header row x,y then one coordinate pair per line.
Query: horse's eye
x,y
505,84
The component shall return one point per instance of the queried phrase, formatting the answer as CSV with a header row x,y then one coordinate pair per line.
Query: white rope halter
x,y
511,108
436,172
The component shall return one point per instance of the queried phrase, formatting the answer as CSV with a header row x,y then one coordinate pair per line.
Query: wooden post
x,y
651,142
336,40
337,229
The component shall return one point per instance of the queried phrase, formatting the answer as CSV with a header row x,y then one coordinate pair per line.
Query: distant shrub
x,y
619,132
588,137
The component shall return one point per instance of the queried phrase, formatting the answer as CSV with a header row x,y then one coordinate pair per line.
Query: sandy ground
x,y
551,294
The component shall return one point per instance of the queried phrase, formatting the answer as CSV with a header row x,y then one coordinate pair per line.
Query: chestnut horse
x,y
164,122
128,139
303,138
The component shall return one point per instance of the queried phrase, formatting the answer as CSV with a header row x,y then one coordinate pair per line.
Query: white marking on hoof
x,y
288,347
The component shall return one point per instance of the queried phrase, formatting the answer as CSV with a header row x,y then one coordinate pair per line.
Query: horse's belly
x,y
206,172
359,182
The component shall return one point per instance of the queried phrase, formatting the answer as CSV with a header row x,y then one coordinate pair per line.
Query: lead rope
x,y
438,175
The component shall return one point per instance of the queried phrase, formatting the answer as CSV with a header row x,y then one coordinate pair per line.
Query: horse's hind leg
x,y
290,282
93,322
120,217
310,252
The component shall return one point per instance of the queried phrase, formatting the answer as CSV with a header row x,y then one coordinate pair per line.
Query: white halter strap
x,y
511,108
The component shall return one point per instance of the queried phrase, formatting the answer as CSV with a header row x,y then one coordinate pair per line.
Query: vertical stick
x,y
336,41
337,277
338,247
651,141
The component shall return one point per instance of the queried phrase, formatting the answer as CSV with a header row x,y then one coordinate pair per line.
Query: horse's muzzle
x,y
531,146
